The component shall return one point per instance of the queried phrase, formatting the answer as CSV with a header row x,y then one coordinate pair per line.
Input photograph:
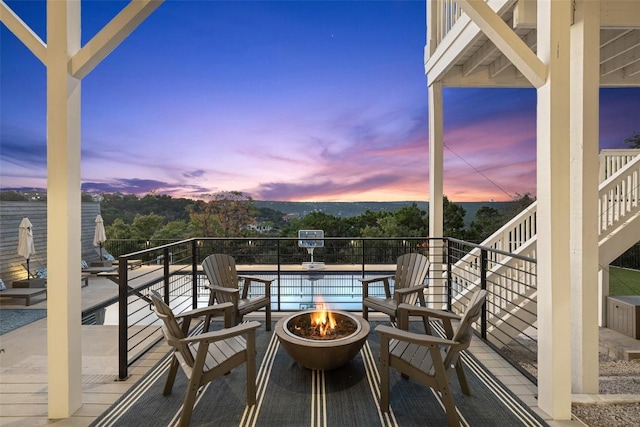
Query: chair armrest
x,y
406,310
414,310
222,334
376,279
203,311
223,290
247,285
410,290
257,279
412,337
383,279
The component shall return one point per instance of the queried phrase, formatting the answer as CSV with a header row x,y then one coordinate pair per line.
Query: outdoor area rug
x,y
11,318
289,395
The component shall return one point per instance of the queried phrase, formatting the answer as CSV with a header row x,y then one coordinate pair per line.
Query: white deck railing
x,y
611,161
619,197
619,201
446,14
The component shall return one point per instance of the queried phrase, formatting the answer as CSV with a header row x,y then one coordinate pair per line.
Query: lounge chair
x,y
224,285
209,355
411,271
23,293
425,358
110,260
37,276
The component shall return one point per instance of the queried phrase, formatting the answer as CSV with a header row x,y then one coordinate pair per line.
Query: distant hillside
x,y
348,209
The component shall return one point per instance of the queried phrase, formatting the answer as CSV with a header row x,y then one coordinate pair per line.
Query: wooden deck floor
x,y
23,368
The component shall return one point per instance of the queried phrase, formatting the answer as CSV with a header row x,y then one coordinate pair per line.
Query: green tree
x,y
453,215
146,226
388,226
519,203
332,226
173,230
119,230
12,196
487,221
412,220
226,214
367,219
633,141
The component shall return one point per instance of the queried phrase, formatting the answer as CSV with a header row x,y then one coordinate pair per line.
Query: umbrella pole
x,y
28,270
101,258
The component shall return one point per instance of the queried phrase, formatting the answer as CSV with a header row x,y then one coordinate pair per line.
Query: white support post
x,y
436,172
553,217
603,293
64,303
585,88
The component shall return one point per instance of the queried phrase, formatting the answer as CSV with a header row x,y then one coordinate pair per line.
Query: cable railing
x,y
174,270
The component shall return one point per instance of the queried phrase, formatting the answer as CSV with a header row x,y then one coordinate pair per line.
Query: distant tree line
x,y
234,214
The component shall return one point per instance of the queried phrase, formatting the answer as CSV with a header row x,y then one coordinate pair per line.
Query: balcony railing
x,y
173,269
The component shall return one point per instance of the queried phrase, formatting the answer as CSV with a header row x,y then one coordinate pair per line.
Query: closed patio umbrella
x,y
99,235
25,241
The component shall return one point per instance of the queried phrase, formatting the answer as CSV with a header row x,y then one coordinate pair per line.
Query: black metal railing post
x,y
449,257
165,281
123,315
278,273
483,285
363,257
195,254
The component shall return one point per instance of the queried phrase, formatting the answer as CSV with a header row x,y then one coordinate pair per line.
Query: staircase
x,y
512,302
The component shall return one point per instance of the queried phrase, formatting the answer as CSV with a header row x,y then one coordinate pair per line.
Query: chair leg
x,y
384,374
207,321
443,387
449,407
425,320
173,370
268,318
189,401
365,312
251,378
462,378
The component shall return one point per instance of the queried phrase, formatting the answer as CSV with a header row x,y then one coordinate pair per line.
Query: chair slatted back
x,y
172,330
464,333
411,270
221,271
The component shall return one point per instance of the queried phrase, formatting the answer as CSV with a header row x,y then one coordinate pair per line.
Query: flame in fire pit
x,y
323,321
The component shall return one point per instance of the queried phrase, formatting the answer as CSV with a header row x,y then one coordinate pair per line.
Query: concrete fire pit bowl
x,y
322,354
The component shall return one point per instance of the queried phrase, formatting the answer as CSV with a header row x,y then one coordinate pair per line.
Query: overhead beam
x,y
23,32
620,46
111,35
478,57
525,14
622,78
506,40
439,59
609,36
621,61
632,70
502,63
481,77
613,14
619,14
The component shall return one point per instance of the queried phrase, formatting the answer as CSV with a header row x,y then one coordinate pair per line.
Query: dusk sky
x,y
282,100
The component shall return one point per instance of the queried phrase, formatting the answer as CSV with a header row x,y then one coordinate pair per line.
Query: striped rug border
x,y
504,395
318,401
